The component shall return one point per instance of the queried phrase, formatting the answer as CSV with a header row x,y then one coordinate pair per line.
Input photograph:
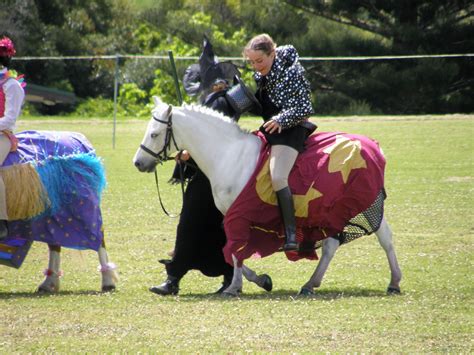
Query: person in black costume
x,y
200,235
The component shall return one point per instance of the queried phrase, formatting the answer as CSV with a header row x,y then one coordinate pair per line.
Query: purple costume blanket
x,y
73,178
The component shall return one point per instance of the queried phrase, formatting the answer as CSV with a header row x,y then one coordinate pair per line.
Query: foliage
x,y
132,102
59,28
405,27
316,28
29,109
156,77
96,107
132,99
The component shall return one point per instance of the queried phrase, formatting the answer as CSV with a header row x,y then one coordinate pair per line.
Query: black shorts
x,y
292,137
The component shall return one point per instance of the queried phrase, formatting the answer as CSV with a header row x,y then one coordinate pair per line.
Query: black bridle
x,y
162,156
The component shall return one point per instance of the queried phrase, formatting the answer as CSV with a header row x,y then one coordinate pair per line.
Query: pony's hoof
x,y
109,288
229,294
305,292
391,290
45,290
267,284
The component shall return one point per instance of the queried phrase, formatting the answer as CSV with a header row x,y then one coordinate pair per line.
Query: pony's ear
x,y
168,111
162,106
157,101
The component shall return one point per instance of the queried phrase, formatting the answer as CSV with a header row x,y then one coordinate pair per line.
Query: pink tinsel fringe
x,y
49,272
107,267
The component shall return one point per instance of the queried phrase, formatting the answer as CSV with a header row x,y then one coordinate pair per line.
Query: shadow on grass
x,y
329,294
34,294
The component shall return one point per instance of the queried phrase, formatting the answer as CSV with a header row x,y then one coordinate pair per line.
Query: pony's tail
x,y
25,194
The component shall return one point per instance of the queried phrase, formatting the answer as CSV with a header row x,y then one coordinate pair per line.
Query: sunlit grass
x,y
430,183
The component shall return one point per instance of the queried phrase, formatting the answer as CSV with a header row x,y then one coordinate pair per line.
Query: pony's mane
x,y
215,117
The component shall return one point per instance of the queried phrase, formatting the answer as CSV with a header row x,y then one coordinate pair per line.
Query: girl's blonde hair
x,y
262,42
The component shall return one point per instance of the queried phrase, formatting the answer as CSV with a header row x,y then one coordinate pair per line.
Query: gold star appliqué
x,y
344,156
265,192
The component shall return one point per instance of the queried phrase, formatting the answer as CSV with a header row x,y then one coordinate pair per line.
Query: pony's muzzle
x,y
144,168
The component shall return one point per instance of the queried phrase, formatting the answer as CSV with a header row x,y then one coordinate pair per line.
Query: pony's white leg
x,y
236,286
264,281
329,248
52,273
384,235
108,270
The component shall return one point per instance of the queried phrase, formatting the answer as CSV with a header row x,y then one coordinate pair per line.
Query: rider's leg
x,y
5,146
282,159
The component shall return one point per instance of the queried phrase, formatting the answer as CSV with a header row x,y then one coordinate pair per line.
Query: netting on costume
x,y
364,223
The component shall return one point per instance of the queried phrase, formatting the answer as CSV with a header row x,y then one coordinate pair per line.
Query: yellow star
x,y
302,201
344,156
265,192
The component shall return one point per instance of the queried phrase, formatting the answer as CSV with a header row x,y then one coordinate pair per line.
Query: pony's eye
x,y
154,135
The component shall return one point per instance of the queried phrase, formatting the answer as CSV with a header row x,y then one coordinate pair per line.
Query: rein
x,y
162,155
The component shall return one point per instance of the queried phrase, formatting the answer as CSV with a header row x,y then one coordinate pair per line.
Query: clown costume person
x,y
11,100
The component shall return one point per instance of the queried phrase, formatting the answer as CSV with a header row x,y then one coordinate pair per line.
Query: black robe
x,y
200,234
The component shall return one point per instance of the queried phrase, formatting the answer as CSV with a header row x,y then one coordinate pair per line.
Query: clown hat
x,y
7,48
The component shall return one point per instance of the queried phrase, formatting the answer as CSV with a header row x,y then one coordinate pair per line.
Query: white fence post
x,y
116,83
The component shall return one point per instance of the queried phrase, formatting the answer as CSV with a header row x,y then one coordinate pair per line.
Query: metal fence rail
x,y
118,57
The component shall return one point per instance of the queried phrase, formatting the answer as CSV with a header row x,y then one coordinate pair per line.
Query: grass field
x,y
430,186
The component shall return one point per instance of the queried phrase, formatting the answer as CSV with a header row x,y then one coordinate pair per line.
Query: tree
x,y
314,27
69,28
407,27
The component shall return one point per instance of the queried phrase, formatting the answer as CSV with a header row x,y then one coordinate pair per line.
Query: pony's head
x,y
158,140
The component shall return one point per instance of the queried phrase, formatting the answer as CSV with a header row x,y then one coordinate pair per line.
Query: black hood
x,y
198,78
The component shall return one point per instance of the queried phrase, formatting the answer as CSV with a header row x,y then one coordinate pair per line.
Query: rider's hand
x,y
182,156
272,126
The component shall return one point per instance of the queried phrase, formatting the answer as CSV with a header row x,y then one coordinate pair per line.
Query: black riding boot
x,y
287,210
169,287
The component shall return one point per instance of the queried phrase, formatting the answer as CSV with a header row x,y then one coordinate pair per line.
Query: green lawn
x,y
430,186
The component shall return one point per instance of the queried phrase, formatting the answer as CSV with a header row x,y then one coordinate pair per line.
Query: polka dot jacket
x,y
287,87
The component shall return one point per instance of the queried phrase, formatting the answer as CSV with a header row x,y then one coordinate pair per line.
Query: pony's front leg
x,y
108,270
384,235
236,286
264,281
52,273
329,248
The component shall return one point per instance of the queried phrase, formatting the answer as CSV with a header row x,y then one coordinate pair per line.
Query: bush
x,y
29,109
330,103
96,107
358,108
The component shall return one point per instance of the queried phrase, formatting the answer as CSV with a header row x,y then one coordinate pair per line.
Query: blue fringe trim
x,y
66,175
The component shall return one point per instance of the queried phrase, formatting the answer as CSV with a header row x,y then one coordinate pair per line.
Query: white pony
x,y
53,186
51,282
228,156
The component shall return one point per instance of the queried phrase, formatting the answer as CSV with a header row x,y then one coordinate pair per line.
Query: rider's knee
x,y
279,182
